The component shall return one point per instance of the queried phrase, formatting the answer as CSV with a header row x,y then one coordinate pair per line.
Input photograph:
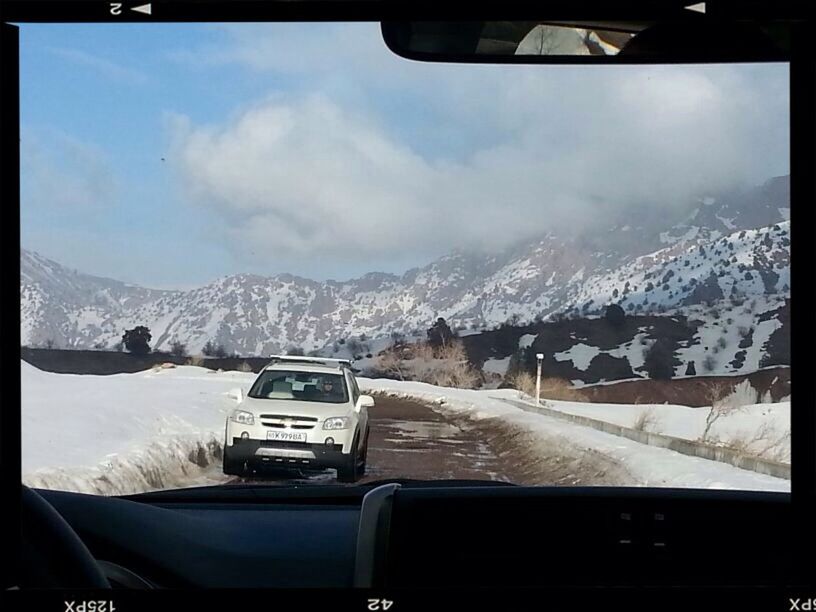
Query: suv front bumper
x,y
286,454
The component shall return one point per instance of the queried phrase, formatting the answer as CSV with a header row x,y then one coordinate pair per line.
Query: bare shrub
x,y
646,420
524,383
422,351
560,389
444,366
452,369
195,360
765,441
716,393
392,363
245,367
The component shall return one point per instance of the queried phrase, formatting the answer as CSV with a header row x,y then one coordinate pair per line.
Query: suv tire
x,y
233,467
349,471
364,455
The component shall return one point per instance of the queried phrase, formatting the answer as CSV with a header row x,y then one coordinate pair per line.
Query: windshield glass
x,y
301,386
540,274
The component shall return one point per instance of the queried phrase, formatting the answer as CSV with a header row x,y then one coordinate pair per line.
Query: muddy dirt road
x,y
409,439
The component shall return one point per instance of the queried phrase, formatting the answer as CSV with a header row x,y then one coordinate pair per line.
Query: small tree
x,y
716,393
137,340
440,334
691,369
354,346
178,348
615,315
211,349
657,360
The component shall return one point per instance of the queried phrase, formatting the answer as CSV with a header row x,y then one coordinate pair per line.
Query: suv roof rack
x,y
302,359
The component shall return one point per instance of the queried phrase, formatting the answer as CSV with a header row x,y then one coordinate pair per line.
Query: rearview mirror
x,y
685,36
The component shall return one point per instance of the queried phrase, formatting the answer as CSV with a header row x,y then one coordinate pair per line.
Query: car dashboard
x,y
401,535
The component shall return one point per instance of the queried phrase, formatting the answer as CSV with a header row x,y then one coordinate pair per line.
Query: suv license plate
x,y
286,436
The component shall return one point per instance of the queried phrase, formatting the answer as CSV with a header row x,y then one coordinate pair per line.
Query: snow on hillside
x,y
735,245
745,263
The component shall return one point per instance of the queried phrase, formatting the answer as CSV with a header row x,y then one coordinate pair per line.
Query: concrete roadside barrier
x,y
680,445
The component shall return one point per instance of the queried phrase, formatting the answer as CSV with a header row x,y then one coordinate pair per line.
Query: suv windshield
x,y
534,274
302,386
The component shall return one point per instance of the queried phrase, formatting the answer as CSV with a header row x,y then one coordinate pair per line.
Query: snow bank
x,y
763,423
128,433
647,465
124,433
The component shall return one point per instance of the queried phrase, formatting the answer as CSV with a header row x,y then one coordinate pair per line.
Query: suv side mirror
x,y
237,394
365,401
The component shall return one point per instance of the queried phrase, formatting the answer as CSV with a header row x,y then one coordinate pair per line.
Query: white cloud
x,y
102,65
330,162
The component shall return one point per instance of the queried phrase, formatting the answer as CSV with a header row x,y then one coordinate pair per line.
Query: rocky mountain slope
x,y
730,245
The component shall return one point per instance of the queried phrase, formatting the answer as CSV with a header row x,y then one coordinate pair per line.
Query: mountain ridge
x,y
537,279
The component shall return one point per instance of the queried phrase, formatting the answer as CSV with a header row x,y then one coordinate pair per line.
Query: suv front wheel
x,y
233,467
354,467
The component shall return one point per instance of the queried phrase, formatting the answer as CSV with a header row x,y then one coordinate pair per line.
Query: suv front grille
x,y
284,421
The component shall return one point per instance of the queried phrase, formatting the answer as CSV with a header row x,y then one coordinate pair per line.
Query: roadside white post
x,y
539,359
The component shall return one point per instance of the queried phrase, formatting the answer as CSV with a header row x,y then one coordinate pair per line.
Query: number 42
x,y
379,604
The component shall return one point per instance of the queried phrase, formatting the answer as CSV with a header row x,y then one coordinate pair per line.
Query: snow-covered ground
x,y
648,466
496,366
163,428
127,432
766,425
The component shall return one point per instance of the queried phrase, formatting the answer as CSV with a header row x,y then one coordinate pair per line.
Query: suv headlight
x,y
337,423
243,417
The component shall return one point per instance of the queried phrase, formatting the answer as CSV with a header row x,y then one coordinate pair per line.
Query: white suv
x,y
301,412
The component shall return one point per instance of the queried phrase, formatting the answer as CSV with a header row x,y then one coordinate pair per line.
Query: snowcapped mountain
x,y
722,246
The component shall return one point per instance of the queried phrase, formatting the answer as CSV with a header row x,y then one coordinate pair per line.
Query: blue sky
x,y
310,149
